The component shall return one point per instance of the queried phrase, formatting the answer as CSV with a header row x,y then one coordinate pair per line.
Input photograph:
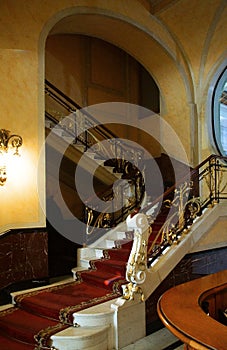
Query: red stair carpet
x,y
39,314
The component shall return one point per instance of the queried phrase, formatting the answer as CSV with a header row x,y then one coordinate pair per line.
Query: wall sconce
x,y
7,142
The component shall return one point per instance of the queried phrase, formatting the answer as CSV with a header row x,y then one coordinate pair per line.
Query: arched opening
x,y
89,70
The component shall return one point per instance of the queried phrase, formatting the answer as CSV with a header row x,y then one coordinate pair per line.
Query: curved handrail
x,y
180,310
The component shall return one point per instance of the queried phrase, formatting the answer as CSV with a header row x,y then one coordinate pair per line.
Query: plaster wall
x,y
181,46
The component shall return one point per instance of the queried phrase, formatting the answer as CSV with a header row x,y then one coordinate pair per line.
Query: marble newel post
x,y
130,308
137,263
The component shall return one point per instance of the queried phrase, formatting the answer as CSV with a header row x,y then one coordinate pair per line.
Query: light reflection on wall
x,y
19,193
19,170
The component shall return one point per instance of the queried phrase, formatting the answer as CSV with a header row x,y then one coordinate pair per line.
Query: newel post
x,y
137,262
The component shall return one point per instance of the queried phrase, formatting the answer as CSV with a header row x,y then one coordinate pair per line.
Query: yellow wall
x,y
215,236
181,46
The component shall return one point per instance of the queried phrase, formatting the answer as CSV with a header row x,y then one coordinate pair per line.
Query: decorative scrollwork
x,y
103,220
9,141
192,209
186,212
137,262
130,290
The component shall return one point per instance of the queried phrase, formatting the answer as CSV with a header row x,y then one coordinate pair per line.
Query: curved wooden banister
x,y
180,311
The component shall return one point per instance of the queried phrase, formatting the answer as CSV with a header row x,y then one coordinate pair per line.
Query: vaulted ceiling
x,y
155,6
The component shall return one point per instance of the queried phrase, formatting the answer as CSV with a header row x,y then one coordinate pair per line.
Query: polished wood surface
x,y
180,310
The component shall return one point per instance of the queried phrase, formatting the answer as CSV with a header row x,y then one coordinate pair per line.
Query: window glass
x,y
220,114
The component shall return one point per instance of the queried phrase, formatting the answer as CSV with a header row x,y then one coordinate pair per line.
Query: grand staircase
x,y
102,306
89,311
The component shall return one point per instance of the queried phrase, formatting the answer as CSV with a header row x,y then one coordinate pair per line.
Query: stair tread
x,y
12,344
103,279
84,331
49,303
110,262
22,325
99,274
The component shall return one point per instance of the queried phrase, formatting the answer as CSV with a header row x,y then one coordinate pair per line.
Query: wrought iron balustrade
x,y
181,205
184,202
82,129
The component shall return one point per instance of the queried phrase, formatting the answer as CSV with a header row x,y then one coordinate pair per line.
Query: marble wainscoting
x,y
23,260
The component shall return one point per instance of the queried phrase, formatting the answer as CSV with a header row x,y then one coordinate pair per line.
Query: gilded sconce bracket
x,y
7,142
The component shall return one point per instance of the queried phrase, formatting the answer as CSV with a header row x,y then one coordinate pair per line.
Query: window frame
x,y
215,106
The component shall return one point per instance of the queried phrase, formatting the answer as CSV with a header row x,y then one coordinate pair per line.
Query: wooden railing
x,y
182,311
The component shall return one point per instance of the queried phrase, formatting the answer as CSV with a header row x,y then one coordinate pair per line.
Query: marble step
x,y
100,314
79,338
116,235
84,255
109,243
76,269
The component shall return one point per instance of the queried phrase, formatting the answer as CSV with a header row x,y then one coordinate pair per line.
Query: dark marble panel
x,y
23,256
211,262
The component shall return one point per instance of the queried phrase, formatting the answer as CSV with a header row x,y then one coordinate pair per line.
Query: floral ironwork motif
x,y
184,214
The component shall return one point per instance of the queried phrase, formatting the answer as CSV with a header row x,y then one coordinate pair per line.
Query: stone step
x,y
79,338
77,269
109,243
117,235
100,314
84,257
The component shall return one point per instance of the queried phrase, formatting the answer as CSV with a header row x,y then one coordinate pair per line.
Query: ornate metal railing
x,y
207,186
129,195
67,117
87,130
181,205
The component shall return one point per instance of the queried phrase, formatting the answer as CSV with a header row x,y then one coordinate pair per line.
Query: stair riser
x,y
64,344
98,341
100,282
91,320
109,268
119,254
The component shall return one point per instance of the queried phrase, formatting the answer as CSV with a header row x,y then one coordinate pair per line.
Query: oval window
x,y
220,113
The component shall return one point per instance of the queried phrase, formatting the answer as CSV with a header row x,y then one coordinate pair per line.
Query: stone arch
x,y
149,42
146,43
